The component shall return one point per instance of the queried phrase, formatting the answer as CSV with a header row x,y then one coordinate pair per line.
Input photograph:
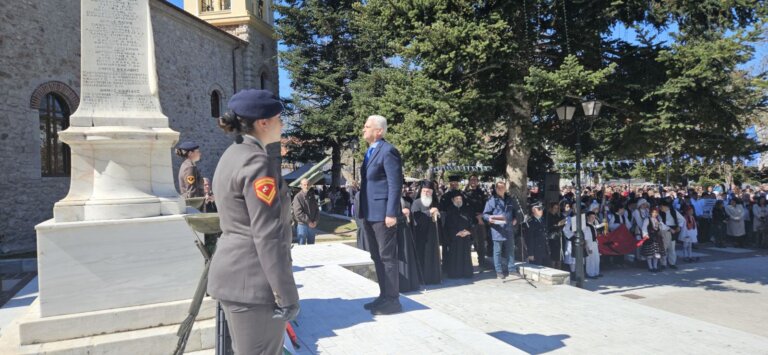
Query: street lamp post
x,y
591,110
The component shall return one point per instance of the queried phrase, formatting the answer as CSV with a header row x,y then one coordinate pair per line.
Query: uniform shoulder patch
x,y
191,179
265,189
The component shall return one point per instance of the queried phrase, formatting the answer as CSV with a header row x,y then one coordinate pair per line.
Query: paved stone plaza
x,y
715,306
532,319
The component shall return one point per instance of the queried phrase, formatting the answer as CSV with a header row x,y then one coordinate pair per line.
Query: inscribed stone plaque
x,y
118,75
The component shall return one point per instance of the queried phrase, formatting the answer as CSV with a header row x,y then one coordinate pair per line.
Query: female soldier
x,y
190,179
250,273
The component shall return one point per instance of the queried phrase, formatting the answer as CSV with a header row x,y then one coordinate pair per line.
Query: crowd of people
x,y
447,222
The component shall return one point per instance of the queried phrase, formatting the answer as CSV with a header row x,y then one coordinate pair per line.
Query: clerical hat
x,y
454,178
426,184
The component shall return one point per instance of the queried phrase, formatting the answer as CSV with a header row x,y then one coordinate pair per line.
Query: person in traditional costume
x,y
689,235
458,224
653,244
592,261
674,221
426,233
569,237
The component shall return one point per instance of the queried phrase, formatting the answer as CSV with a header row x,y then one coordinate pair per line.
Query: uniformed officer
x,y
190,179
250,273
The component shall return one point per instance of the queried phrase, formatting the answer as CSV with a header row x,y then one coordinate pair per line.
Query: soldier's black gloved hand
x,y
287,313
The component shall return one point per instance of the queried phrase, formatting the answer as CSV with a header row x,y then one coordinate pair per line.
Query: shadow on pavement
x,y
532,343
322,318
711,276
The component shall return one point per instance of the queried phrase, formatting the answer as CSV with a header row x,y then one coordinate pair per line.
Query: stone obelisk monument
x,y
119,137
117,264
112,240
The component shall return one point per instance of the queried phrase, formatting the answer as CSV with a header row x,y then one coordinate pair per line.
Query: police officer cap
x,y
537,204
188,145
453,178
255,104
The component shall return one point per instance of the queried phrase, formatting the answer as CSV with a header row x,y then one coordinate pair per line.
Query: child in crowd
x,y
689,235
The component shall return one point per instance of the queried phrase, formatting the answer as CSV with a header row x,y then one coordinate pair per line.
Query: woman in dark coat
x,y
458,224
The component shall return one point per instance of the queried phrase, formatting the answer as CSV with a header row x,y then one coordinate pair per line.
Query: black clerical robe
x,y
426,237
459,261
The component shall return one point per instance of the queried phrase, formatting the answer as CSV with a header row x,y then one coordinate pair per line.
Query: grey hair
x,y
380,122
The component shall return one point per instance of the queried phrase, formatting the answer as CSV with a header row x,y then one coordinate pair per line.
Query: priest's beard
x,y
458,204
426,201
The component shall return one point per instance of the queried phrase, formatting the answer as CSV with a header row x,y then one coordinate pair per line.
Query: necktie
x,y
367,155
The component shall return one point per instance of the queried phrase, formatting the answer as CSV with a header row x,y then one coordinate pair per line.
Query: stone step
x,y
35,330
202,352
543,274
159,340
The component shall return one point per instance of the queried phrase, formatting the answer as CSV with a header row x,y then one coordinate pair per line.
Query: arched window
x,y
54,118
263,80
215,104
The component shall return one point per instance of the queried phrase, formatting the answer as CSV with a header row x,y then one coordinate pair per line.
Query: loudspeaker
x,y
551,188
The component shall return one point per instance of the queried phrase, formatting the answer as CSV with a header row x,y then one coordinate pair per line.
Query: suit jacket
x,y
252,262
381,184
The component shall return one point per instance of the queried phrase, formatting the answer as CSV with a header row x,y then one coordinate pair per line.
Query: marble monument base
x,y
99,265
147,330
119,173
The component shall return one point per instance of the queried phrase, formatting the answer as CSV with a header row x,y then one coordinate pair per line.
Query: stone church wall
x,y
40,43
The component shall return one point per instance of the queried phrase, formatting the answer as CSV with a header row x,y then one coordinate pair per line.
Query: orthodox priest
x,y
476,198
446,201
426,233
459,221
408,266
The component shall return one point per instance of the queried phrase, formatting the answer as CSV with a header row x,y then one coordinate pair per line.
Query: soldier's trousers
x,y
252,328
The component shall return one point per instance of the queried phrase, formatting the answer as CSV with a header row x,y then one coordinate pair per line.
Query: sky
x,y
619,32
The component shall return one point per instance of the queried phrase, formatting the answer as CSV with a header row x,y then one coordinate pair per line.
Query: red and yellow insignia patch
x,y
265,189
190,179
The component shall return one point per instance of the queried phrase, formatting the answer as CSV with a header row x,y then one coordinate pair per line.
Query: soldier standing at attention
x,y
250,273
190,179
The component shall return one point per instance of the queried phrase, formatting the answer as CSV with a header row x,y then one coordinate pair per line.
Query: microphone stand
x,y
524,252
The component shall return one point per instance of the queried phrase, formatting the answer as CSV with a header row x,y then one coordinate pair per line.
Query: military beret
x,y
255,104
188,145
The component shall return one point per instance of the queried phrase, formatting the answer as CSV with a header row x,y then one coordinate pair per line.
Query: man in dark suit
x,y
381,182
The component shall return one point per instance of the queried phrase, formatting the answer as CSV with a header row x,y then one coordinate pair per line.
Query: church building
x,y
205,53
